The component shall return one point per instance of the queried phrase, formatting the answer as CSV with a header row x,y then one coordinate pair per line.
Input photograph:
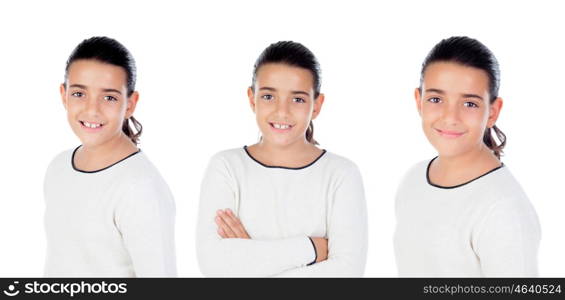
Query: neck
x,y
480,156
297,147
454,170
296,154
118,144
94,157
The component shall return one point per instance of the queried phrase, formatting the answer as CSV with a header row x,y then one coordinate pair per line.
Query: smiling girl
x,y
108,211
283,206
462,213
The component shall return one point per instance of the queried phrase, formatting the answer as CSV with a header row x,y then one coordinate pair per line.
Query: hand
x,y
321,245
229,226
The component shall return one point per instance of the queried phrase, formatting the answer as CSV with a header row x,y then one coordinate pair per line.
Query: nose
x,y
283,108
92,106
451,114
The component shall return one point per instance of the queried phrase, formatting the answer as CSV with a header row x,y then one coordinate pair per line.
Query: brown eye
x,y
77,94
434,100
267,97
471,104
110,98
299,100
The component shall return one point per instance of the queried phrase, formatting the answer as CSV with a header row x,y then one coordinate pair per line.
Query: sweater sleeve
x,y
146,221
231,257
508,240
346,234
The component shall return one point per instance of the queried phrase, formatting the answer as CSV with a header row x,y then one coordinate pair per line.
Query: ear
x,y
318,105
132,103
251,96
418,98
63,92
494,112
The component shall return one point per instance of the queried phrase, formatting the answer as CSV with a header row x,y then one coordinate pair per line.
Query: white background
x,y
195,61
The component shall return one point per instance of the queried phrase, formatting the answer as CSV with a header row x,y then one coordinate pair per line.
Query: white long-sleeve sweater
x,y
280,208
115,222
484,228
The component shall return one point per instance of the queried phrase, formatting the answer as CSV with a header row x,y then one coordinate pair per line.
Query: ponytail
x,y
128,131
310,134
489,140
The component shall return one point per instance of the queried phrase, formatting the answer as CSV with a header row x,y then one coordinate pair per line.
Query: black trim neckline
x,y
281,167
99,170
458,185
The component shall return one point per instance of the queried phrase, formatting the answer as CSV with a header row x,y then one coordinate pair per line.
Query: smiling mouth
x,y
280,126
91,125
449,134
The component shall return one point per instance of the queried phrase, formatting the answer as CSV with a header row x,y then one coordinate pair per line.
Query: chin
x,y
91,142
96,140
451,150
280,141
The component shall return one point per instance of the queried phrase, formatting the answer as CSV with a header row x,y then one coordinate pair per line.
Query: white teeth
x,y
281,126
91,125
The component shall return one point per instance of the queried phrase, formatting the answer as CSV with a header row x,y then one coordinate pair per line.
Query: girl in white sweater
x,y
108,211
283,206
462,213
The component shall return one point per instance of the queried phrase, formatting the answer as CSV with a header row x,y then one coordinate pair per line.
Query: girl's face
x,y
454,104
283,102
95,97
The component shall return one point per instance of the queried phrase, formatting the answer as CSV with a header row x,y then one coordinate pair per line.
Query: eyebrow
x,y
112,91
473,96
266,88
80,86
84,87
437,91
441,92
300,93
